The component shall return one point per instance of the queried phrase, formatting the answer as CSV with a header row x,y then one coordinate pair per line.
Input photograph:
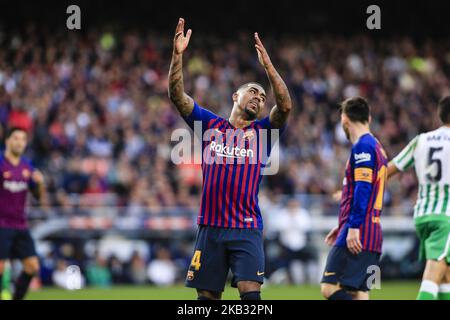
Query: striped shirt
x,y
429,153
362,194
15,181
232,164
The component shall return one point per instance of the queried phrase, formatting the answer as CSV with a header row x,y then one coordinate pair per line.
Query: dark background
x,y
399,17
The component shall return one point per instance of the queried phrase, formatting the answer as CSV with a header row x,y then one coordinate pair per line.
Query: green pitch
x,y
388,291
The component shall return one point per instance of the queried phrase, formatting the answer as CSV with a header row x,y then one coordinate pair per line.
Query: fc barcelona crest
x,y
248,135
190,275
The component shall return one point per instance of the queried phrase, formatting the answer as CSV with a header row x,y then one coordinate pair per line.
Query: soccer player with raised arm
x,y
230,224
17,177
429,153
357,240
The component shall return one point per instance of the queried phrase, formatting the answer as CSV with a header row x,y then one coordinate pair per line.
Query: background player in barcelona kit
x,y
230,223
17,177
358,238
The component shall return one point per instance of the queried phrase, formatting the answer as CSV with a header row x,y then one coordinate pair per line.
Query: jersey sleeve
x,y
405,159
265,123
270,143
363,162
200,117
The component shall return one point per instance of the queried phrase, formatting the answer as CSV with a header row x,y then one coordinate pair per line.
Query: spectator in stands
x,y
98,274
293,225
162,270
137,269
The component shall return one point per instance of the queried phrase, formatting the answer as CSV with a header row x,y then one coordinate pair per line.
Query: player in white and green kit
x,y
429,153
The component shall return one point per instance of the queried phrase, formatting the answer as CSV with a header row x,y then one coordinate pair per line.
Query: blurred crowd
x,y
100,122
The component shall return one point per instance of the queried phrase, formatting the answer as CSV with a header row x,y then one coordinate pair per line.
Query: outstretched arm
x,y
280,111
392,170
182,101
404,160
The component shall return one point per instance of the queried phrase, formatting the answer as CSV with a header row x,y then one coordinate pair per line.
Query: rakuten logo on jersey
x,y
248,146
362,157
223,150
15,186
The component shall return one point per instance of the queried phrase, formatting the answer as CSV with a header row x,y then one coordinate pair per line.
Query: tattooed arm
x,y
280,112
182,101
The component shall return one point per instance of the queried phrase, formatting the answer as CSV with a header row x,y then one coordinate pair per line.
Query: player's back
x,y
367,164
431,160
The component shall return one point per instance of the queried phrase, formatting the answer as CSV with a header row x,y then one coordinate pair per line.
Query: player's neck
x,y
14,160
238,121
358,132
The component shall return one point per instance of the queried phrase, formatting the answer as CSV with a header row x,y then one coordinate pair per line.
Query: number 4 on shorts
x,y
195,262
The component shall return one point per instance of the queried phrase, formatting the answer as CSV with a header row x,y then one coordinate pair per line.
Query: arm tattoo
x,y
280,112
182,101
277,117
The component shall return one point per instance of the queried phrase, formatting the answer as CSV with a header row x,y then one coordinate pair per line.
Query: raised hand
x,y
183,102
263,56
181,41
280,112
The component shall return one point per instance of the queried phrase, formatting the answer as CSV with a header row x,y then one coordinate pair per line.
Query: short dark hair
x,y
245,85
11,130
444,110
357,109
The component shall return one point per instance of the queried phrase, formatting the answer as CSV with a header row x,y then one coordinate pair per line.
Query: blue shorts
x,y
217,250
349,270
16,244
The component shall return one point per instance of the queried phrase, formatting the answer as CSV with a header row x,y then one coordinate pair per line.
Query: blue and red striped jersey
x,y
232,164
15,181
362,194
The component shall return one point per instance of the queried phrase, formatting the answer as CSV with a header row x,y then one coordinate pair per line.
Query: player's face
x,y
345,122
17,143
251,99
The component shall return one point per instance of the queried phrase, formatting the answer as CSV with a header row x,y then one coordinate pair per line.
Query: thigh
x,y
422,234
245,250
335,265
209,267
356,273
23,246
437,242
6,243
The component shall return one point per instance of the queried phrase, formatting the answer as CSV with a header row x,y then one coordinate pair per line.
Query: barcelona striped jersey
x,y
362,194
232,164
15,181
